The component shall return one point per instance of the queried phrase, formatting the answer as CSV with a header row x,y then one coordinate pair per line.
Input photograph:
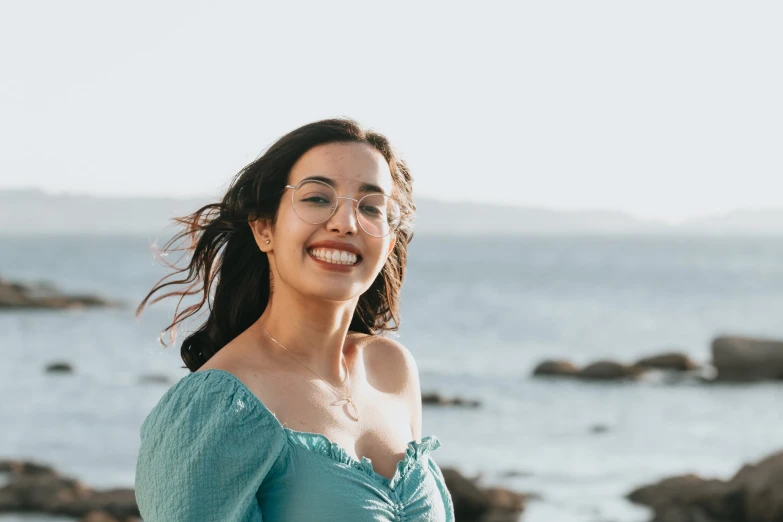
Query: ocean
x,y
478,313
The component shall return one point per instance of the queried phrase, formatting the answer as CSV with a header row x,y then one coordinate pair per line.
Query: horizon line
x,y
506,205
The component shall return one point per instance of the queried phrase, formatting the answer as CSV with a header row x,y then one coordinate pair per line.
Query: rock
x,y
475,504
468,403
754,494
505,501
39,489
513,473
44,493
763,487
668,361
439,400
16,295
13,296
747,359
469,502
155,379
98,516
119,503
609,370
556,367
689,495
23,467
599,370
59,367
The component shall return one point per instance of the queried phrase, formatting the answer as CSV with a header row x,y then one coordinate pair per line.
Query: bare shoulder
x,y
393,369
391,363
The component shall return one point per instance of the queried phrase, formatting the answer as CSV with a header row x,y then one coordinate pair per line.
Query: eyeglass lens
x,y
315,202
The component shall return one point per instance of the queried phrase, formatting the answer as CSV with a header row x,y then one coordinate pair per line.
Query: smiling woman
x,y
297,407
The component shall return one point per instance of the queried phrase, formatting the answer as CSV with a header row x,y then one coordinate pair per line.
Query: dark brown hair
x,y
231,274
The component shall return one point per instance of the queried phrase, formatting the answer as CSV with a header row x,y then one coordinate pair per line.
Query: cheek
x,y
379,253
293,233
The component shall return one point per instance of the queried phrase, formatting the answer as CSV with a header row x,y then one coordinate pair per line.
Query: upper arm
x,y
204,452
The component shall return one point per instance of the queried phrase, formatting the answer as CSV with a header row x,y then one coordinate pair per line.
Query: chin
x,y
335,291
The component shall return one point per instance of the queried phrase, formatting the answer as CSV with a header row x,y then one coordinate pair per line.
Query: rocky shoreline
x,y
754,494
36,488
734,359
14,295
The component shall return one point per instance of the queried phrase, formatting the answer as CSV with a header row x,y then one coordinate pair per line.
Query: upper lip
x,y
337,245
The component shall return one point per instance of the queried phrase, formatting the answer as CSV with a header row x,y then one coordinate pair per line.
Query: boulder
x,y
515,473
762,484
747,359
475,504
690,495
609,371
98,516
16,295
155,378
34,488
59,367
440,400
24,467
556,367
754,494
668,361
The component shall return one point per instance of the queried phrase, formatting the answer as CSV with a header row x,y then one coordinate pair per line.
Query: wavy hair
x,y
231,274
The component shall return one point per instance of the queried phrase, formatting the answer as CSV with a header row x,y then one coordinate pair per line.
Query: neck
x,y
314,331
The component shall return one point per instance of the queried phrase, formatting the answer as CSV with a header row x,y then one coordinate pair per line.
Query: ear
x,y
391,244
262,232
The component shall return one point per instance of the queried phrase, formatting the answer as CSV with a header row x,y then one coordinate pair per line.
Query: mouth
x,y
335,257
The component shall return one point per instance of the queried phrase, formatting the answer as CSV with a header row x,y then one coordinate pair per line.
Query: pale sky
x,y
664,109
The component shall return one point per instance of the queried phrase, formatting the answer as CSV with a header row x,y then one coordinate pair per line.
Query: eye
x,y
316,199
373,211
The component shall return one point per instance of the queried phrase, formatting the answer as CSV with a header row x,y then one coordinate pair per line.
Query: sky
x,y
665,110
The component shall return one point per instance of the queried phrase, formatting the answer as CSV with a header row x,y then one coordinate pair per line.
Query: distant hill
x,y
37,212
762,221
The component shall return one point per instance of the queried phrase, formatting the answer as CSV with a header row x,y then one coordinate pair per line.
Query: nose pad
x,y
344,217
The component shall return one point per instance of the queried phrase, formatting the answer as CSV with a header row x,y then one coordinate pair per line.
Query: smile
x,y
336,257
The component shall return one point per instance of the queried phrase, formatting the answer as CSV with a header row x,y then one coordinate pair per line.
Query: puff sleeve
x,y
205,450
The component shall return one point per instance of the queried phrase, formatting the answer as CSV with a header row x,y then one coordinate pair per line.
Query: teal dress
x,y
211,451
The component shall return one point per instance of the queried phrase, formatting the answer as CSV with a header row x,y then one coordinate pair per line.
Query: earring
x,y
267,241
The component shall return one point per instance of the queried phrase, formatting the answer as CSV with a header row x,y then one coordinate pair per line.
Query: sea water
x,y
478,313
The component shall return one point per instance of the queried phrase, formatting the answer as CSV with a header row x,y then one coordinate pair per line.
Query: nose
x,y
343,220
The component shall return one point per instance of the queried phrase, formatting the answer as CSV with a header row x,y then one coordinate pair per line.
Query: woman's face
x,y
300,252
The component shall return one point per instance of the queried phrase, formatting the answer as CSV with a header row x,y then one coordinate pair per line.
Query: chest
x,y
382,433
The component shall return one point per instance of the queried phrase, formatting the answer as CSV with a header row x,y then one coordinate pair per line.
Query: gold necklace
x,y
345,399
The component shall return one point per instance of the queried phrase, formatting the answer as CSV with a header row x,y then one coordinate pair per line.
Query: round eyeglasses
x,y
315,202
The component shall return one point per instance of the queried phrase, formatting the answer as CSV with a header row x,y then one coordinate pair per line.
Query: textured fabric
x,y
211,451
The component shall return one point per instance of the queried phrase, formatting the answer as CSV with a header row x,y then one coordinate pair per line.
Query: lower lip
x,y
333,266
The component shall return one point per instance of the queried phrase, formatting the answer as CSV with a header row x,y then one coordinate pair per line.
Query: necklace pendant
x,y
352,407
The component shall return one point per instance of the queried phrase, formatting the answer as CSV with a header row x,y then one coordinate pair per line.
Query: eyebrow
x,y
363,187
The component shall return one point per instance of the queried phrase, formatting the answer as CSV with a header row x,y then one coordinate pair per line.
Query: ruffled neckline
x,y
321,444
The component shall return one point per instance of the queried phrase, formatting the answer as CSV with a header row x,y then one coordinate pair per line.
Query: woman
x,y
297,408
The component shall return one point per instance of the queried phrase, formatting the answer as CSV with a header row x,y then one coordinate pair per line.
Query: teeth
x,y
338,257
